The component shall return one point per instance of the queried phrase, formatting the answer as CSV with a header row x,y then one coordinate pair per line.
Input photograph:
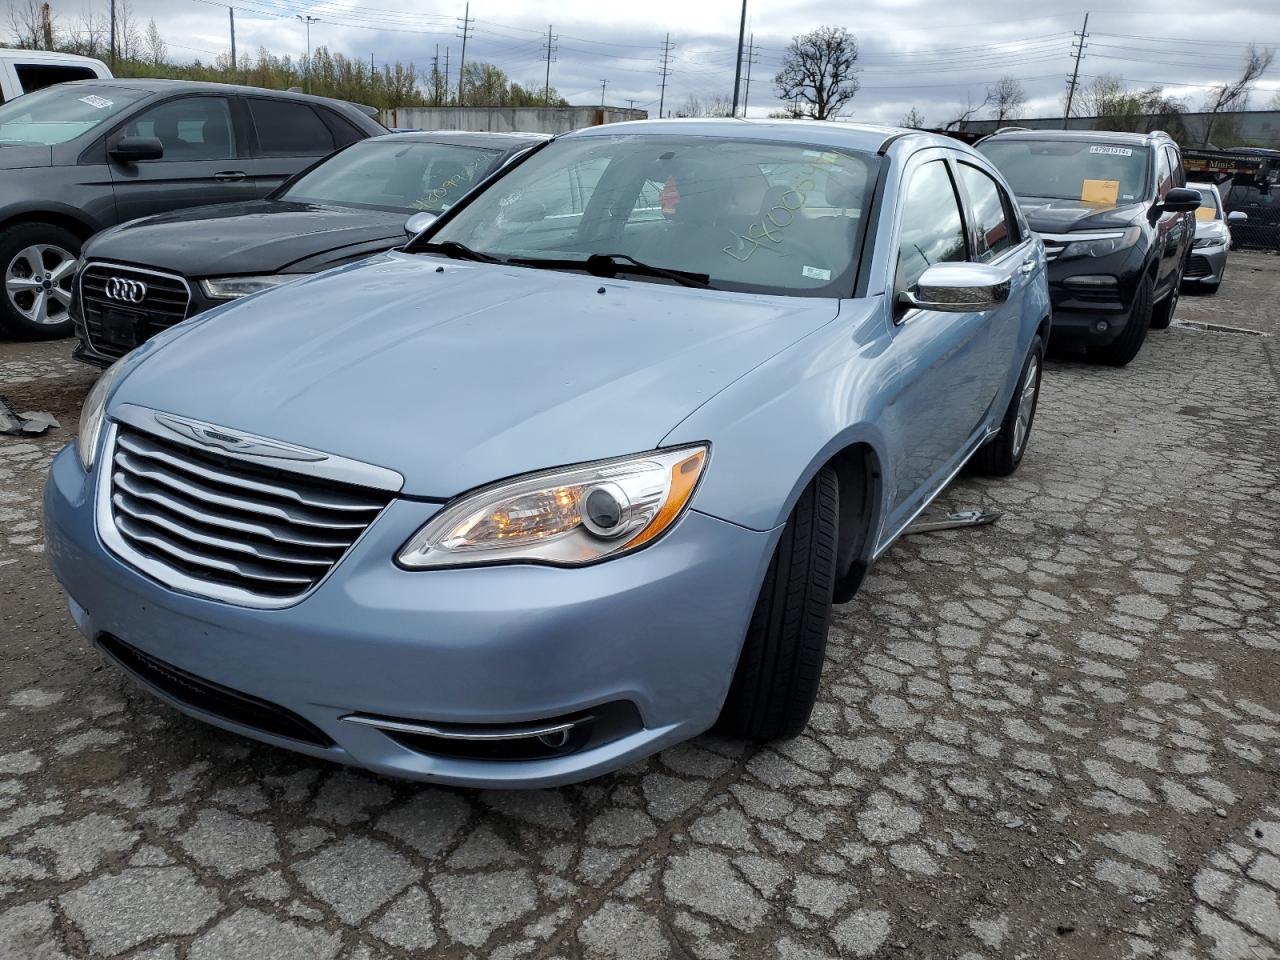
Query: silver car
x,y
1213,237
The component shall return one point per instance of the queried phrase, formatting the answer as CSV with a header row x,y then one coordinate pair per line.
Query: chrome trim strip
x,y
1073,237
327,466
462,733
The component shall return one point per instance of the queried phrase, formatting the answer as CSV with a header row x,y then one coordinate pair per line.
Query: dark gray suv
x,y
79,157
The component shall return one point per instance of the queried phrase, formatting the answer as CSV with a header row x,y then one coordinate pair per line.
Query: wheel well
x,y
66,222
858,471
1043,330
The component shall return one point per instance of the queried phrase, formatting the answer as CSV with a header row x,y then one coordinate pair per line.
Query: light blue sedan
x,y
576,475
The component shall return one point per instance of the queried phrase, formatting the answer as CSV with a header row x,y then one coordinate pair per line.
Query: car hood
x,y
458,374
257,236
1210,228
1062,216
21,156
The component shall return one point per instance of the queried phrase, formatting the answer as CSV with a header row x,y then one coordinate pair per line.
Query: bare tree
x,y
1007,98
1234,96
715,105
968,113
89,36
1094,98
128,36
913,119
157,49
819,72
26,23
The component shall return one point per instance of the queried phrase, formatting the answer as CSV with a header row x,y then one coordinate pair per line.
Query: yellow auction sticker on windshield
x,y
1205,213
1102,192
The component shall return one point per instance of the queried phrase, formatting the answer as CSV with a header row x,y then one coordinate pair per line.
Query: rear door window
x,y
289,129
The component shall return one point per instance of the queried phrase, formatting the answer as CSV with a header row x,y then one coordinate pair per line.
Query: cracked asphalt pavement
x,y
1051,737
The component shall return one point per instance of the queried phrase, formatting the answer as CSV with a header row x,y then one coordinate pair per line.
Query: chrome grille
x,y
113,327
243,530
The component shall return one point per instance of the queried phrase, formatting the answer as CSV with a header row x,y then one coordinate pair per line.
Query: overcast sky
x,y
930,54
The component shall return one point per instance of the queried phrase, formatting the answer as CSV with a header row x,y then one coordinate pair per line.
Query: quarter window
x,y
192,128
289,129
991,215
932,229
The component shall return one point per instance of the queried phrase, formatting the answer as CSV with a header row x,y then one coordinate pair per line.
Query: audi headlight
x,y
232,288
93,413
564,517
1101,244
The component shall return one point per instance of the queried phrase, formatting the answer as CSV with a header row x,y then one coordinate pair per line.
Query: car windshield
x,y
61,113
1208,209
395,175
1108,174
749,215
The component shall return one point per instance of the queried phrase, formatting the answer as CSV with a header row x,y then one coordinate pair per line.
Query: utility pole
x,y
113,36
751,58
446,76
737,70
46,27
666,69
1075,73
465,23
435,78
603,84
546,90
235,64
308,20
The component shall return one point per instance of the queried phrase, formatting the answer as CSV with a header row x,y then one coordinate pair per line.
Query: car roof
x,y
1108,136
10,53
469,138
155,85
863,137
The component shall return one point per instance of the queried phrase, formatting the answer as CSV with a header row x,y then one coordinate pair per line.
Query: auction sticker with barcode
x,y
98,102
816,273
1113,151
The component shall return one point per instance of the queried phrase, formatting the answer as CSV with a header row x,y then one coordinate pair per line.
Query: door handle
x,y
1027,266
230,176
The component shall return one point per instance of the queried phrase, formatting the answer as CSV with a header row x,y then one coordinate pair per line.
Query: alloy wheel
x,y
1026,406
38,283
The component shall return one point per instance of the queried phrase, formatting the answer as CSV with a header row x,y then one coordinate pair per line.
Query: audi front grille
x,y
219,526
125,306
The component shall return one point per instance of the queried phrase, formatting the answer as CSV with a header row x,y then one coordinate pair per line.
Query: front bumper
x,y
1086,310
1207,265
660,629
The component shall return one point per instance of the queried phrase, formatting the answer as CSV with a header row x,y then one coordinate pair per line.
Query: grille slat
x,y
226,522
1198,266
167,301
169,456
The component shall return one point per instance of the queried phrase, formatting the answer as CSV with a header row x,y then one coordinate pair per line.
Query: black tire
x,y
1162,312
19,311
1000,455
776,682
1125,347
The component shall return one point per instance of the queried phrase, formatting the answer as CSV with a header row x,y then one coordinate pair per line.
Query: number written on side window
x,y
990,213
932,230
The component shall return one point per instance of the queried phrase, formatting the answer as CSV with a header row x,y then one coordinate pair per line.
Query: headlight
x,y
1101,244
230,288
563,517
93,412
1212,240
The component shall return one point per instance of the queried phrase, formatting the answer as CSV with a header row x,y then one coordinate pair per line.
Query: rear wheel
x,y
776,683
39,262
1001,455
1125,347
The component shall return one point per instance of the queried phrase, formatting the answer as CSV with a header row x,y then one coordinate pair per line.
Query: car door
x,y
1182,233
941,381
289,136
1169,226
203,161
998,240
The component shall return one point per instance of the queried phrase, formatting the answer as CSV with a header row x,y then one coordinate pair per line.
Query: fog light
x,y
1101,326
1090,280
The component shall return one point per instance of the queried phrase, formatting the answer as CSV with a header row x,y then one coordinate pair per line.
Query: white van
x,y
22,71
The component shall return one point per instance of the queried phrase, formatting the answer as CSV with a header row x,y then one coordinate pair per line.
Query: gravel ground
x,y
1052,737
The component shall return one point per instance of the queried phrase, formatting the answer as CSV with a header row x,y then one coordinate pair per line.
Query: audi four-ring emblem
x,y
126,291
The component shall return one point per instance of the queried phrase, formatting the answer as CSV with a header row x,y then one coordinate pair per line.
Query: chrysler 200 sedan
x,y
576,475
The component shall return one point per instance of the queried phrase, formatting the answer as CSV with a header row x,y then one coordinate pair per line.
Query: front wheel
x,y
776,683
1001,455
39,262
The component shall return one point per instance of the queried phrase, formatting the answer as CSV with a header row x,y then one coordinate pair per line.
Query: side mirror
x,y
958,288
1180,200
1237,216
417,223
133,149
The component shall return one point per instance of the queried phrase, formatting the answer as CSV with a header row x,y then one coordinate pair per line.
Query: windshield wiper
x,y
611,264
458,251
